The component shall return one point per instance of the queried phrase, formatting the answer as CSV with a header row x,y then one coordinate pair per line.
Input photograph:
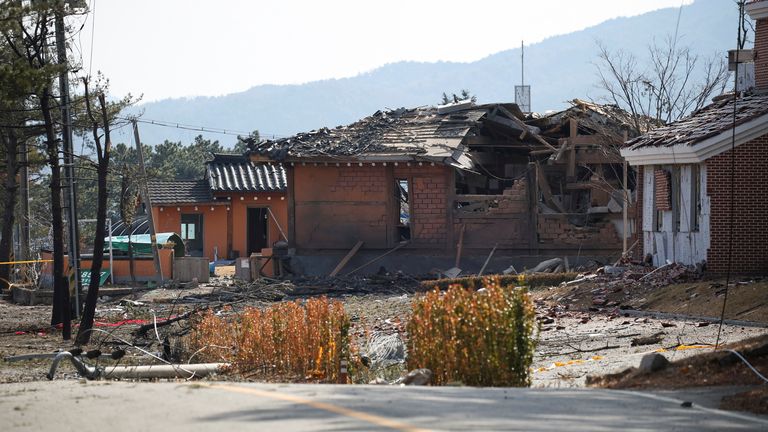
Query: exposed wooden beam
x,y
346,258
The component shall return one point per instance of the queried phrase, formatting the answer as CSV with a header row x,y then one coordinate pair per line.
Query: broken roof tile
x,y
709,121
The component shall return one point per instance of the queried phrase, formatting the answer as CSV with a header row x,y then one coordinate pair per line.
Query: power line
x,y
196,128
733,175
93,31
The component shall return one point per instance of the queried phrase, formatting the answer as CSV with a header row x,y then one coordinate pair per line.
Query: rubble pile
x,y
611,287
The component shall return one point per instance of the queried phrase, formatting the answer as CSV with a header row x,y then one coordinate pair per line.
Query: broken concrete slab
x,y
653,362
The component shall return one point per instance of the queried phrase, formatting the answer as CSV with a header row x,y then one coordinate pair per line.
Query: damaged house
x,y
238,208
460,176
702,179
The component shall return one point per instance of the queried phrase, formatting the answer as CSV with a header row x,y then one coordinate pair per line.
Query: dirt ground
x,y
586,328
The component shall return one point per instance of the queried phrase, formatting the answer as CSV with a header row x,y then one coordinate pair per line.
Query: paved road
x,y
122,406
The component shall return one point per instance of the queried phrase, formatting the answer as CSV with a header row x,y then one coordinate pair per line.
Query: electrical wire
x,y
93,32
749,365
733,178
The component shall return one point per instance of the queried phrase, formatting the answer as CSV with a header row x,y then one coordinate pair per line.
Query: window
x,y
188,231
695,197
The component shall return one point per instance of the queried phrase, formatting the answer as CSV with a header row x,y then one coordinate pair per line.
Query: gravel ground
x,y
573,344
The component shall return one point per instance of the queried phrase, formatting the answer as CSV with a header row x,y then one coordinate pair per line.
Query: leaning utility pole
x,y
144,191
69,160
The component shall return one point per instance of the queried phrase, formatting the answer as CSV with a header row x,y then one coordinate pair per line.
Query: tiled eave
x,y
701,151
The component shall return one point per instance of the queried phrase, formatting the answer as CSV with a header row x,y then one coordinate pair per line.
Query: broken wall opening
x,y
403,208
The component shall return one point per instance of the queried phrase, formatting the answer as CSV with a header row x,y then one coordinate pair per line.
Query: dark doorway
x,y
192,233
257,229
403,222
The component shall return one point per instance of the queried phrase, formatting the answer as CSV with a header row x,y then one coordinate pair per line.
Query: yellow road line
x,y
359,415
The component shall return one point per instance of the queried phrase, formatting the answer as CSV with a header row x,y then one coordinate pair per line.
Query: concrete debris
x,y
548,266
653,362
648,340
416,377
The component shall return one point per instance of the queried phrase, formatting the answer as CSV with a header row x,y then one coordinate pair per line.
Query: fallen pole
x,y
136,372
163,371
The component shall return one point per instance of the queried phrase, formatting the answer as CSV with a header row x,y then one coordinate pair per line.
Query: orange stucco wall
x,y
216,220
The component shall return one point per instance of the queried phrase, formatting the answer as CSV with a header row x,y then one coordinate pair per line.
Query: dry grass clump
x,y
292,340
479,338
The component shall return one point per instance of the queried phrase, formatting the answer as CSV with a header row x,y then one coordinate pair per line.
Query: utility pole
x,y
144,190
69,160
24,202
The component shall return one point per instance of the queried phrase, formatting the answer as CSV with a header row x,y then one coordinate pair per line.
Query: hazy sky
x,y
177,48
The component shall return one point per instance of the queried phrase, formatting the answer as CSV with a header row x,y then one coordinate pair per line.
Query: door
x,y
192,233
257,229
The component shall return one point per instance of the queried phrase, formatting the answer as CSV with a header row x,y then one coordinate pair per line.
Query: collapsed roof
x,y
438,134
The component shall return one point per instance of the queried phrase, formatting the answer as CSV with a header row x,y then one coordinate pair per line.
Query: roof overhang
x,y
757,10
701,151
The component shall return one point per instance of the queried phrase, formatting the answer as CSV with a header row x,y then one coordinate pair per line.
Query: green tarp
x,y
142,245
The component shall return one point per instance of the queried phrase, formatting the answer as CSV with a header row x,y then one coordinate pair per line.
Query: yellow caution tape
x,y
687,347
558,364
24,262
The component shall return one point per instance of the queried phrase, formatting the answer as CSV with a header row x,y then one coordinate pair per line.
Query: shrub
x,y
480,338
534,280
295,340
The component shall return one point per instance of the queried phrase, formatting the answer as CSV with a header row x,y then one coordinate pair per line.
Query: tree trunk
x,y
86,322
61,305
10,142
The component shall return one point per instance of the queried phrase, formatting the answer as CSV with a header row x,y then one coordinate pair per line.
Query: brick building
x,y
702,179
479,176
238,208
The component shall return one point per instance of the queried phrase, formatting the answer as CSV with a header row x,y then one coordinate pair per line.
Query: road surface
x,y
209,406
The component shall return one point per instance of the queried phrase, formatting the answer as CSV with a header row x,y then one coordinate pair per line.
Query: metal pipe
x,y
163,371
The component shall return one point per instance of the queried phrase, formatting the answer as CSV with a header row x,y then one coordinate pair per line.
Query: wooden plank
x,y
460,245
487,260
346,258
518,125
402,244
545,189
570,171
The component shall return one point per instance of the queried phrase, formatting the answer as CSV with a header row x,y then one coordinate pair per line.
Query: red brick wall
x,y
360,182
428,201
556,230
337,206
761,50
661,189
750,209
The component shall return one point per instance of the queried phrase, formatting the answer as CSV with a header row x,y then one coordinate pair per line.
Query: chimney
x,y
758,11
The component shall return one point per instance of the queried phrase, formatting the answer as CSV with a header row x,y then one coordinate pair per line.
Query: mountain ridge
x,y
559,68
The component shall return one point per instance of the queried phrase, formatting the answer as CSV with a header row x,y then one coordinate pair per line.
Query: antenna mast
x,y
522,63
522,91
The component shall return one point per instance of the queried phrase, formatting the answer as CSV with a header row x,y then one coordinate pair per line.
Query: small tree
x,y
666,86
453,98
103,147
